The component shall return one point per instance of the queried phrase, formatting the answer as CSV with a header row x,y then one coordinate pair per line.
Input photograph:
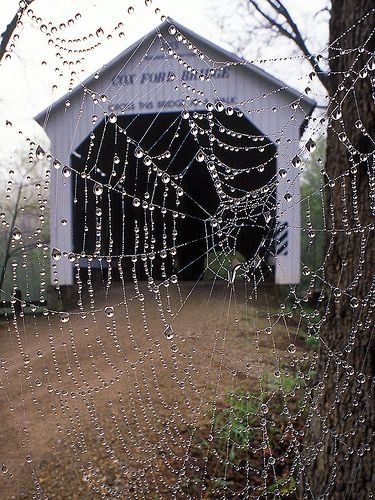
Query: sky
x,y
30,80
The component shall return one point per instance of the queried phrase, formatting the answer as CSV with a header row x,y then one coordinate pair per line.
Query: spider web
x,y
172,352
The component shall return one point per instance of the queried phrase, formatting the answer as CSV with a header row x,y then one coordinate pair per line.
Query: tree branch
x,y
293,33
7,35
271,21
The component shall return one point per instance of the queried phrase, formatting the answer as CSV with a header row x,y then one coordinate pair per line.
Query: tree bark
x,y
338,460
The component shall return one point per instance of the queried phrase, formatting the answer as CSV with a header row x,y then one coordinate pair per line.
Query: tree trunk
x,y
338,456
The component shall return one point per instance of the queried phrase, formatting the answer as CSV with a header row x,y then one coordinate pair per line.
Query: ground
x,y
114,403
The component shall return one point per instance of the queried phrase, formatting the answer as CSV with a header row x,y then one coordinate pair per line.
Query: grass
x,y
251,442
251,448
237,423
299,319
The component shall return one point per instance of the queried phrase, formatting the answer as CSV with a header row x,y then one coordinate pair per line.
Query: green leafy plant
x,y
219,264
312,210
253,433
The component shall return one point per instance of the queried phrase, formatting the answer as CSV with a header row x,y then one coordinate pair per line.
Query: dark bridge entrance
x,y
165,201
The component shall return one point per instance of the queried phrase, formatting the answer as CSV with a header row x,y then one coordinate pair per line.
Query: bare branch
x,y
272,21
288,28
324,9
7,35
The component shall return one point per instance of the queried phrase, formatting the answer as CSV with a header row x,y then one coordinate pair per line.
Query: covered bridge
x,y
174,149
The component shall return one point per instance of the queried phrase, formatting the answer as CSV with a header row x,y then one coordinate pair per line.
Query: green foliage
x,y
25,207
312,208
284,486
286,384
310,341
237,422
219,264
252,434
302,319
32,267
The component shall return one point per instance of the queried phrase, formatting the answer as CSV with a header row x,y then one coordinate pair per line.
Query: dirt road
x,y
107,400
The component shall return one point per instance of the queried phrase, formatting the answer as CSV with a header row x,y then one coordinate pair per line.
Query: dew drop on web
x,y
168,332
